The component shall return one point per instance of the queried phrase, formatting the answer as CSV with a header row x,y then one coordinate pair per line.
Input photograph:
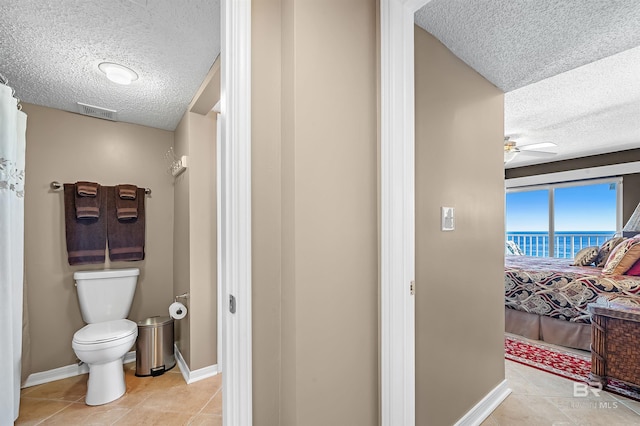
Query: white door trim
x,y
397,211
236,210
219,281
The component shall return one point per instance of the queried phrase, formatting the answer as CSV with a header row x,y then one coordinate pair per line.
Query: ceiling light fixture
x,y
118,73
510,150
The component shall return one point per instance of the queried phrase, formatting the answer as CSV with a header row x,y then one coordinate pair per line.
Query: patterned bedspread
x,y
554,288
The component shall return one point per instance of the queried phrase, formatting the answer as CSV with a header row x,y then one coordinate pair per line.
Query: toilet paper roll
x,y
177,310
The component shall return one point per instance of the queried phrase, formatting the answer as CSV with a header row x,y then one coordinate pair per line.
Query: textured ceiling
x,y
50,51
570,67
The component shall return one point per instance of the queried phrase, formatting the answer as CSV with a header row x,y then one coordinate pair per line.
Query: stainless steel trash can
x,y
154,347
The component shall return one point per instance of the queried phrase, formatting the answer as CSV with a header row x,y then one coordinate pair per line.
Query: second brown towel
x,y
126,201
126,237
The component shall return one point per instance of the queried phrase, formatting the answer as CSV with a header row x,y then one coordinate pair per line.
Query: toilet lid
x,y
105,331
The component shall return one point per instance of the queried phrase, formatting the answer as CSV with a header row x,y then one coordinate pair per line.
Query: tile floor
x,y
161,400
540,398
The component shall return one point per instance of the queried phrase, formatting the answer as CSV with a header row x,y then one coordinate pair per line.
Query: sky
x,y
577,208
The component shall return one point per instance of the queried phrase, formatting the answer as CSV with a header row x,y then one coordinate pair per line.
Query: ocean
x,y
566,244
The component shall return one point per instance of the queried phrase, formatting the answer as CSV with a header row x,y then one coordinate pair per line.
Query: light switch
x,y
448,219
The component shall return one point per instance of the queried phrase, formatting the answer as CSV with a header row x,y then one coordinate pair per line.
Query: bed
x,y
546,298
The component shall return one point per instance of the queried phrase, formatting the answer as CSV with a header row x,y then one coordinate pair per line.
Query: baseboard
x,y
66,371
195,375
485,407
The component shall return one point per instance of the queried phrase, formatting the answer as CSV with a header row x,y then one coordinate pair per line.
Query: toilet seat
x,y
105,332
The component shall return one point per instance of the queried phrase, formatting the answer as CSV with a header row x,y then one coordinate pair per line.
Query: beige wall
x,y
266,199
195,233
335,212
314,217
181,240
459,274
203,248
69,147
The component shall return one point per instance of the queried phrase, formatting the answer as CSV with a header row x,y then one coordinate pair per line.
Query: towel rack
x,y
57,186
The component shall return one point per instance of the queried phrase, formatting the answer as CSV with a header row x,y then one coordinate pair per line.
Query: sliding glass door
x,y
558,220
527,219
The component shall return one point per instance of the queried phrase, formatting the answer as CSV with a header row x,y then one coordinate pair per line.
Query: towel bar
x,y
56,186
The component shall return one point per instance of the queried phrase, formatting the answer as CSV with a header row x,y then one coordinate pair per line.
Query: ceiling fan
x,y
512,149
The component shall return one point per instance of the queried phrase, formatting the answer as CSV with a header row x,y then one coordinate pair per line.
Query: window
x,y
558,220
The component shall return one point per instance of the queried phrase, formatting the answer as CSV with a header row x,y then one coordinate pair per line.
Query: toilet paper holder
x,y
182,296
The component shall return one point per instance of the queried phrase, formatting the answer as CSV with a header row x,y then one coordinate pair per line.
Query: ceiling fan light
x,y
509,155
118,73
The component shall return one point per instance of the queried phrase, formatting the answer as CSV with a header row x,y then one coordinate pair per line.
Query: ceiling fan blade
x,y
540,146
537,153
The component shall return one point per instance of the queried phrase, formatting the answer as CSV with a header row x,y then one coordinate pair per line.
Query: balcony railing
x,y
565,245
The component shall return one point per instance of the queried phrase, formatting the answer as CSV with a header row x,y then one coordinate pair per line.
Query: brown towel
x,y
86,238
87,206
126,237
87,189
126,204
127,192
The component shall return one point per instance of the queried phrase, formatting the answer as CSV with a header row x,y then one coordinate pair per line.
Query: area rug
x,y
564,363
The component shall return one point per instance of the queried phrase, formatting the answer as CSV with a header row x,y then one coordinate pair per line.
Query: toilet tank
x,y
106,295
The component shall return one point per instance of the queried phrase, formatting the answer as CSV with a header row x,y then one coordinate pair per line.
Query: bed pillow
x,y
634,270
622,257
605,250
586,256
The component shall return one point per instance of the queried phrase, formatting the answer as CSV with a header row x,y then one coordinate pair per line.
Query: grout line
x,y
57,412
129,410
208,401
625,401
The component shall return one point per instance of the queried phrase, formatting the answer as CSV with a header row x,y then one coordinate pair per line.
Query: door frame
x,y
397,206
235,210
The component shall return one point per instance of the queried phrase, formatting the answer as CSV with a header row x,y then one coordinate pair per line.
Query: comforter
x,y
553,287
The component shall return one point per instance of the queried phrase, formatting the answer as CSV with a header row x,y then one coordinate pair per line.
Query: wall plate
x,y
448,219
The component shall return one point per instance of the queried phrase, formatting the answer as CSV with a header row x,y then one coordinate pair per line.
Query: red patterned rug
x,y
571,365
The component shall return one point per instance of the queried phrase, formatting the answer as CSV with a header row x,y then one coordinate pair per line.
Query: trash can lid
x,y
155,321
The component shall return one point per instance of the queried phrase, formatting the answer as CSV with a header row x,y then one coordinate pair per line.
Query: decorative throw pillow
x,y
634,270
605,250
586,256
622,257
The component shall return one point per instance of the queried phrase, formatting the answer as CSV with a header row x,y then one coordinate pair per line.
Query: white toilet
x,y
105,299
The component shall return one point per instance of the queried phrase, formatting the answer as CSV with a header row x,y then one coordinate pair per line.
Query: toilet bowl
x,y
102,346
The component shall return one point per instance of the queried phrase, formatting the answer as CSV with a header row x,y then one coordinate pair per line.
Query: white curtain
x,y
12,150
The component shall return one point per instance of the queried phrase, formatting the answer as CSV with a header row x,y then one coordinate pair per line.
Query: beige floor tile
x,y
489,421
69,389
630,403
82,414
206,420
528,410
547,384
522,386
33,411
186,399
145,417
214,406
595,412
161,400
